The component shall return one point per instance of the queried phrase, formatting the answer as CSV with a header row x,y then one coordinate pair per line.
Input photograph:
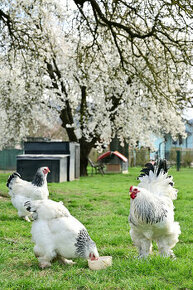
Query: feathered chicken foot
x,y
168,253
26,218
66,261
44,265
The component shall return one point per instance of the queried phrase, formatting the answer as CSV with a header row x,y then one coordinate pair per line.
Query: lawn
x,y
101,203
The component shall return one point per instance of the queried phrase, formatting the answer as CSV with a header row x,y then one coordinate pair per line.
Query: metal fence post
x,y
178,159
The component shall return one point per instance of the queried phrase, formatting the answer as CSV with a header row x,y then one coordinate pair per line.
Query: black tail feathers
x,y
27,205
145,171
162,166
157,167
12,176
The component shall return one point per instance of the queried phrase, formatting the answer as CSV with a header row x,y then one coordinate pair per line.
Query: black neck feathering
x,y
38,180
83,240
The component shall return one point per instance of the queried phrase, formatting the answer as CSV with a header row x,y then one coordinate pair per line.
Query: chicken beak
x,y
92,257
130,193
48,169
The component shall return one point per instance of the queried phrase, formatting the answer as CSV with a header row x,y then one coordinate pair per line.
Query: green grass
x,y
101,203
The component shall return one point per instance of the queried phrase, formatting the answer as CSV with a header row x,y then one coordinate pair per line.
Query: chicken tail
x,y
47,209
11,178
155,178
157,167
31,206
27,205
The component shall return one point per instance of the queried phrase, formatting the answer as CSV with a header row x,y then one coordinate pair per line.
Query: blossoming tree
x,y
97,75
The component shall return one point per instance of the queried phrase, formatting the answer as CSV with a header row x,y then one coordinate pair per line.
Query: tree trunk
x,y
66,115
85,149
83,165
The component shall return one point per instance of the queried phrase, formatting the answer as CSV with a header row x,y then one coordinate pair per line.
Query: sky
x,y
188,113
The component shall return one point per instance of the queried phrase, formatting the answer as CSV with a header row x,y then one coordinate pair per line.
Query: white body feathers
x,y
21,191
159,185
27,189
57,233
152,214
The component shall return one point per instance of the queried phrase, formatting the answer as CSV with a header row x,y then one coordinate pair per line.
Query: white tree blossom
x,y
100,85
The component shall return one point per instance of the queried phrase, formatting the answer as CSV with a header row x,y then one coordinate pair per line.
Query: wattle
x,y
133,195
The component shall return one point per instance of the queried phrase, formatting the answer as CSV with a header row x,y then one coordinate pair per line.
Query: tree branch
x,y
110,23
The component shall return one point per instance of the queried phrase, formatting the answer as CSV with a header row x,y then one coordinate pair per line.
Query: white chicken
x,y
152,211
21,190
57,234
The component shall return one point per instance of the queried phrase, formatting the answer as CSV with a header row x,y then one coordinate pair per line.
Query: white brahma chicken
x,y
152,211
21,190
57,234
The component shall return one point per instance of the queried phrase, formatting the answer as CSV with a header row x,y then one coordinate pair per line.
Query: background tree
x,y
122,70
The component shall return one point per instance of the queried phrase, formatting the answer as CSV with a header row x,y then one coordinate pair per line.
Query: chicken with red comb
x,y
152,211
21,190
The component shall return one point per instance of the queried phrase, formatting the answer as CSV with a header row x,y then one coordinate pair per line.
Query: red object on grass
x,y
121,156
108,153
104,155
